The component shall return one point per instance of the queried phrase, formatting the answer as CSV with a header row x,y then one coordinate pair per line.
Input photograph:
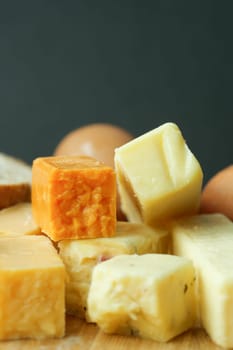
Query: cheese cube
x,y
32,283
74,197
158,176
151,295
80,257
208,241
18,219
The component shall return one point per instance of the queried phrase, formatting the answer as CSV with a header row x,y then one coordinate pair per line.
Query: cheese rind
x,y
207,239
15,181
32,286
80,257
150,295
158,176
18,220
74,197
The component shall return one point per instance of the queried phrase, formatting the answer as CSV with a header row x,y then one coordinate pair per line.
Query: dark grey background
x,y
137,64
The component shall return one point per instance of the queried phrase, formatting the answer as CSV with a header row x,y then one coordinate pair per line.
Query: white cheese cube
x,y
151,295
208,241
80,256
158,176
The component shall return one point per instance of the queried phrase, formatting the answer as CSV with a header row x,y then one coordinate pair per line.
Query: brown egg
x,y
96,140
217,195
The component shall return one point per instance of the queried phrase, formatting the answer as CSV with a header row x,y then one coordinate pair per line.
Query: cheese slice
x,y
80,257
18,220
32,286
158,176
74,197
208,241
151,295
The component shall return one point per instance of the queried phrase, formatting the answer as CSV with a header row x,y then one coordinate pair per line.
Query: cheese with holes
x,y
18,220
151,295
208,241
74,197
32,283
158,176
80,257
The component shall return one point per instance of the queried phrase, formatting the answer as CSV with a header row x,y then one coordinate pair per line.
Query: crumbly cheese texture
x,y
18,220
32,283
208,240
158,176
151,296
74,197
80,257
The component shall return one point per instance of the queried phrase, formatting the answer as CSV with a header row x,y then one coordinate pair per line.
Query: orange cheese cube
x,y
74,197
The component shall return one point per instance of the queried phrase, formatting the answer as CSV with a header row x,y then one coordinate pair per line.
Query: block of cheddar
x,y
158,176
208,240
80,257
73,197
18,220
32,283
151,296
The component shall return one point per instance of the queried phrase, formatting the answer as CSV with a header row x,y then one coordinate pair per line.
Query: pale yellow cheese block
x,y
158,176
18,220
208,241
80,256
151,296
32,286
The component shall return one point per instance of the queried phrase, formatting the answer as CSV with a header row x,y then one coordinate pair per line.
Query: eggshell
x,y
95,140
217,195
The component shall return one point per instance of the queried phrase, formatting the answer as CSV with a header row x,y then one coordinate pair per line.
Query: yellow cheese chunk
x,y
208,241
151,295
18,219
80,256
158,176
32,283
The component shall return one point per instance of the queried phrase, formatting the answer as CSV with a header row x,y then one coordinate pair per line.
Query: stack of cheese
x,y
117,274
32,275
74,203
154,295
163,272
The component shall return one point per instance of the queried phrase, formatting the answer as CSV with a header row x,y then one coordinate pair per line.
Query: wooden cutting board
x,y
82,336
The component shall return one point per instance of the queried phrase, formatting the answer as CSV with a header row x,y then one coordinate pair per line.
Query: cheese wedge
x,y
18,220
80,257
74,197
32,283
158,176
151,296
208,241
